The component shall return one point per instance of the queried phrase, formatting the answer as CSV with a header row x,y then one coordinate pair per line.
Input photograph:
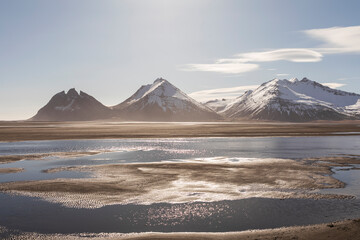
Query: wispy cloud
x,y
335,40
232,68
221,93
333,85
246,62
282,74
348,78
284,54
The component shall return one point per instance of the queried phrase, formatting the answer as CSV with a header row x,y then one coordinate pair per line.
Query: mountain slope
x,y
218,105
294,100
72,106
162,101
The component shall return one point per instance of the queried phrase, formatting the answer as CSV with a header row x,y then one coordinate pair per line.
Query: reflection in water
x,y
160,149
31,214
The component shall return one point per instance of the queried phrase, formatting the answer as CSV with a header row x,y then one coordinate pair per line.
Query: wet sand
x,y
21,131
179,182
10,170
344,230
42,156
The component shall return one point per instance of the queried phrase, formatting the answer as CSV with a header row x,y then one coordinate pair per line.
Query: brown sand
x,y
344,230
18,131
146,183
10,170
41,156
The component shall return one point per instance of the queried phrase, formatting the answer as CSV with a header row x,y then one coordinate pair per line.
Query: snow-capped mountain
x,y
218,105
294,100
72,106
162,101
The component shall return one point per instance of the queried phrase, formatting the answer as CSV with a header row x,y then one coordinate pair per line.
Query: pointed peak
x,y
305,79
159,80
293,80
72,93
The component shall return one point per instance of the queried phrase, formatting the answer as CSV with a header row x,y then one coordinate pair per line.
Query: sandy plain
x,y
21,131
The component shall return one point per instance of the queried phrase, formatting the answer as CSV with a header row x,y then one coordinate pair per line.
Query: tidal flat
x,y
215,188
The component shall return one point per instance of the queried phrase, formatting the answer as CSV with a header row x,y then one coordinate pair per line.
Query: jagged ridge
x,y
163,101
294,100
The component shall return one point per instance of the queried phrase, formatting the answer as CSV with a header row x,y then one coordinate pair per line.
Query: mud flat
x,y
10,170
41,156
179,182
21,131
343,230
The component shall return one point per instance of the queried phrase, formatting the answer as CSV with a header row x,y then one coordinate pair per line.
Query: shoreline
x,y
339,230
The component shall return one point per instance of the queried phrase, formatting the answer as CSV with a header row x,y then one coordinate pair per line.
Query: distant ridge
x,y
162,101
295,101
276,100
72,106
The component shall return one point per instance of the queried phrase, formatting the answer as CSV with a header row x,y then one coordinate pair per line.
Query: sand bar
x,y
179,182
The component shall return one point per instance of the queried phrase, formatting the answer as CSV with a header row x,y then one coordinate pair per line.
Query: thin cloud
x,y
245,62
282,74
334,85
348,78
285,54
220,93
231,68
337,39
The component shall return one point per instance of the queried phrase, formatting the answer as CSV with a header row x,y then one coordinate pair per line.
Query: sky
x,y
207,48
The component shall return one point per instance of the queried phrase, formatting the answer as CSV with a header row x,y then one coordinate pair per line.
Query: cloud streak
x,y
333,85
230,67
335,40
221,93
285,54
247,62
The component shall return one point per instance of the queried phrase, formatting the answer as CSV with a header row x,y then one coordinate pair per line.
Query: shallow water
x,y
161,149
32,214
155,150
349,176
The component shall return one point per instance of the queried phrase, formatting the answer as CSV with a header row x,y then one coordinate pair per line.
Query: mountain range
x,y
276,100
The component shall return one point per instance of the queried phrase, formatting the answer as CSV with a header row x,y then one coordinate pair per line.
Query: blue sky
x,y
109,48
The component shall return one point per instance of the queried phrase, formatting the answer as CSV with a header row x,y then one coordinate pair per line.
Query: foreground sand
x,y
192,180
18,131
345,230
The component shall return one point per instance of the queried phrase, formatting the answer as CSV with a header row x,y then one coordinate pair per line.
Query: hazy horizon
x,y
108,49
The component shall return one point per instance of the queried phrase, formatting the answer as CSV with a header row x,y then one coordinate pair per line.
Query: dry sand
x,y
344,230
18,131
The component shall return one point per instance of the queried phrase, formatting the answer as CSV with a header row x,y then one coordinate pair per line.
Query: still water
x,y
33,214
